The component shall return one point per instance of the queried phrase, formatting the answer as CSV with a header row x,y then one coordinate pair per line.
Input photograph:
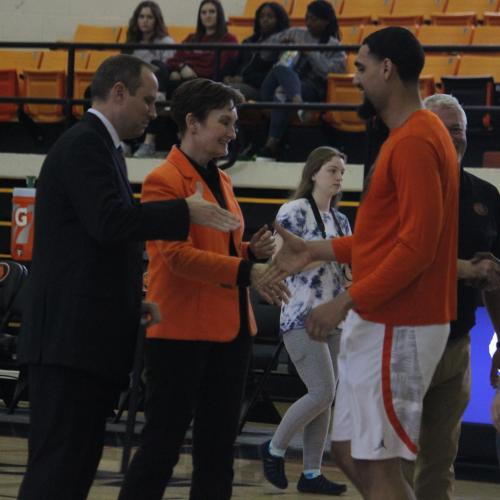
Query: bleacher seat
x,y
491,18
475,65
351,35
180,33
406,21
241,32
8,88
486,35
341,89
371,8
49,80
454,19
438,66
477,6
367,30
421,7
445,35
96,34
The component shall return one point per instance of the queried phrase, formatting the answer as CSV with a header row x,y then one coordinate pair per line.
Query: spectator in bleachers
x,y
247,71
311,215
210,28
301,76
147,26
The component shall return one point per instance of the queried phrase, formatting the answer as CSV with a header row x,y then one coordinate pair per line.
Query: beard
x,y
366,110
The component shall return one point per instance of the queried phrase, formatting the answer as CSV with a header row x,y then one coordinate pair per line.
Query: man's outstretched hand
x,y
209,214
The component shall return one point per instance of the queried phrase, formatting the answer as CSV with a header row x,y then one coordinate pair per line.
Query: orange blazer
x,y
194,281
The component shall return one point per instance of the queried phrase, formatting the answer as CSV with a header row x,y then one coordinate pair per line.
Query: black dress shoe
x,y
320,485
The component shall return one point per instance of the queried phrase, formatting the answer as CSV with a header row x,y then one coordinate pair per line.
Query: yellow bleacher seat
x,y
351,35
445,35
438,66
477,6
475,65
341,89
367,30
373,8
454,19
354,20
406,21
420,7
180,33
491,18
20,60
486,35
96,34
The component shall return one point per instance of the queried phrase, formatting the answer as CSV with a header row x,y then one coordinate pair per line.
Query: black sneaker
x,y
321,485
274,467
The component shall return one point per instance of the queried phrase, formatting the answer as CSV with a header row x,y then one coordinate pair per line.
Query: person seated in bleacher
x,y
301,76
147,26
210,28
247,71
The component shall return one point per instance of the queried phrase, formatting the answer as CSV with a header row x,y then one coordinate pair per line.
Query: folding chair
x,y
265,356
12,280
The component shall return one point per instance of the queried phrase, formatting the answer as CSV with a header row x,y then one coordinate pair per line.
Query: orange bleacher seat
x,y
8,88
50,81
20,60
454,19
180,33
475,65
368,30
122,38
373,8
340,90
354,20
351,35
241,32
406,21
491,18
96,34
444,35
438,66
486,35
417,7
477,6
251,6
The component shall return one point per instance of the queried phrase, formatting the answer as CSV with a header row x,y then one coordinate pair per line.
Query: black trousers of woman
x,y
186,380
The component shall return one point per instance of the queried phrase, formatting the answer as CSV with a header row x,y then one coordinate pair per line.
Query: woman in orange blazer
x,y
197,357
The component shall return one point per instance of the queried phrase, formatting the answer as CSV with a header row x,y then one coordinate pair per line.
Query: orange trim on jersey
x,y
387,391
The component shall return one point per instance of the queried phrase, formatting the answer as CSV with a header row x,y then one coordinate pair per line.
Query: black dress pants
x,y
68,411
186,380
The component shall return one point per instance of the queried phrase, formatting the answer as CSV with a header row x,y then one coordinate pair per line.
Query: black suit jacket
x,y
86,277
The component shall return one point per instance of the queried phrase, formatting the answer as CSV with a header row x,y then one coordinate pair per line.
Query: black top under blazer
x,y
85,286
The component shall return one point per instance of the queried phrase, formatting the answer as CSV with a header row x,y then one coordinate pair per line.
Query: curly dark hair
x,y
282,21
134,33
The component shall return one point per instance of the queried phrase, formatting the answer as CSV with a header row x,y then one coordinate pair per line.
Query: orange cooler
x,y
23,223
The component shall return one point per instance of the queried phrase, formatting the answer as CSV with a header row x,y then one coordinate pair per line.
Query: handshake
x,y
483,271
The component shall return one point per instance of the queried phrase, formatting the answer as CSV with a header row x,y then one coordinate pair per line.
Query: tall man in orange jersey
x,y
404,261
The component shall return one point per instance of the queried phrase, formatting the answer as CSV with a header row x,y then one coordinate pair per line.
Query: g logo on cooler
x,y
21,216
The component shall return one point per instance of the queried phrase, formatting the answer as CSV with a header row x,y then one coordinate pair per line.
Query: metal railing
x,y
68,101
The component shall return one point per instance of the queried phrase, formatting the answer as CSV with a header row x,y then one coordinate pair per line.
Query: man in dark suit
x,y
80,324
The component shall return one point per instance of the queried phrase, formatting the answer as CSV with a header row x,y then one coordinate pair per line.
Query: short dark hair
x,y
199,97
122,68
401,47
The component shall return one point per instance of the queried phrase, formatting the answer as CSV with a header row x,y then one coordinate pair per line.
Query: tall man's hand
x,y
293,256
208,214
324,318
274,292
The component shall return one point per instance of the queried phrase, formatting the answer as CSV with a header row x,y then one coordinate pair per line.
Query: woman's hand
x,y
262,243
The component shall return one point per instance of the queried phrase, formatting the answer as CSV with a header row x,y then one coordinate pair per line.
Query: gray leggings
x,y
316,364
